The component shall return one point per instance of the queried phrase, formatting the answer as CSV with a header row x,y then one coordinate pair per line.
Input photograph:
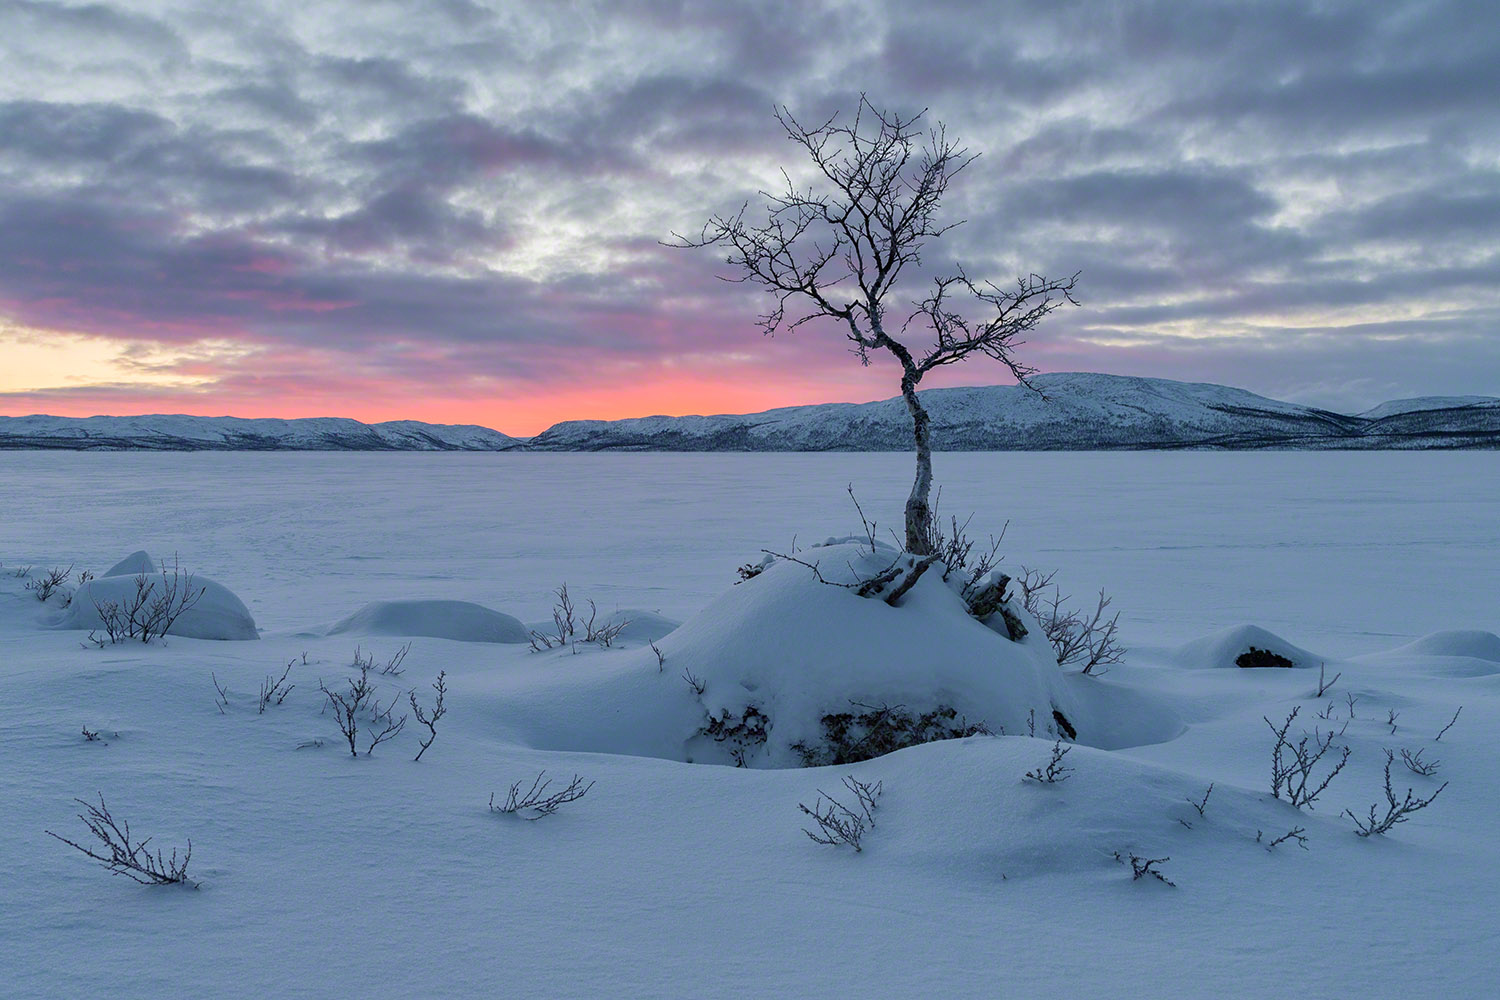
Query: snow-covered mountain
x,y
183,433
1074,411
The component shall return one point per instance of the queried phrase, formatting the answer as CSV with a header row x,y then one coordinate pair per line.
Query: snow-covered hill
x,y
1073,411
175,432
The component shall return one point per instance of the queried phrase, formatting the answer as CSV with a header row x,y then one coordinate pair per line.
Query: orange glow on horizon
x,y
516,414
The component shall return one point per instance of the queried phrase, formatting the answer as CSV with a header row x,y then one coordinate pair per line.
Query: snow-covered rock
x,y
1222,649
216,614
460,620
782,650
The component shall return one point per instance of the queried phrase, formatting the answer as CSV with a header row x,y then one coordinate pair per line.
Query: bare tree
x,y
839,249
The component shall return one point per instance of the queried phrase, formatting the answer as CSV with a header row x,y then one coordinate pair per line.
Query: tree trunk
x,y
918,514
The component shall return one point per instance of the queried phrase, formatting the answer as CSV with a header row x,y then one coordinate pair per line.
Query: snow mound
x,y
1473,643
1457,653
1222,648
460,620
136,563
217,614
752,676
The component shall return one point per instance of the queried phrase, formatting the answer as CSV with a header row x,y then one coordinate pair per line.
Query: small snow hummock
x,y
460,620
216,613
1224,649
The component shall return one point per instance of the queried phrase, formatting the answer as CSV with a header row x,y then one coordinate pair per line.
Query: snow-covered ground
x,y
324,875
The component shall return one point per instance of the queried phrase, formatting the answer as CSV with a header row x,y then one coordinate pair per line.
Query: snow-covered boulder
x,y
461,620
215,614
763,674
136,563
1225,648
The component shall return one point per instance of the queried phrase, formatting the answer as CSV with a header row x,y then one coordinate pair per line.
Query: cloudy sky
x,y
450,210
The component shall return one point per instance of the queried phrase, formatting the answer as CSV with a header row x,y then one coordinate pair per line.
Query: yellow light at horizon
x,y
35,360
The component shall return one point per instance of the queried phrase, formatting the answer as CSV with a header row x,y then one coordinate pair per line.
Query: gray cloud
x,y
1238,183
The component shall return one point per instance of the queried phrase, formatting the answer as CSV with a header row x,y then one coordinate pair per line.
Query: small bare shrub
x,y
1141,867
151,611
91,735
1396,812
274,691
661,658
127,857
1296,833
1323,685
536,803
605,633
1449,726
438,711
1416,765
1293,764
1076,636
693,682
360,696
1202,804
839,825
45,586
221,694
563,620
1054,771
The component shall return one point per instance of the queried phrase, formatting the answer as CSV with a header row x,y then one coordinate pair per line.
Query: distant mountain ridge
x,y
1074,411
177,432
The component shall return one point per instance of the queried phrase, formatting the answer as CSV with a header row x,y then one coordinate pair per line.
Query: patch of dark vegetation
x,y
850,737
742,732
1255,657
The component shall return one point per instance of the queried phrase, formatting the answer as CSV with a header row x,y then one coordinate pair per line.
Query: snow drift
x,y
217,613
460,620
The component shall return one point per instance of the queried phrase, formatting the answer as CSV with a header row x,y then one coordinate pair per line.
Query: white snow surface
x,y
323,874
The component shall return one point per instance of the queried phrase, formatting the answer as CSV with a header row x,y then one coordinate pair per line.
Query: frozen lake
x,y
1352,551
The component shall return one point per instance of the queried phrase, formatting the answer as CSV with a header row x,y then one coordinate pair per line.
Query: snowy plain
x,y
325,876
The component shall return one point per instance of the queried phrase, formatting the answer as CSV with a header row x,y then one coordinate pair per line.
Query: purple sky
x,y
450,210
